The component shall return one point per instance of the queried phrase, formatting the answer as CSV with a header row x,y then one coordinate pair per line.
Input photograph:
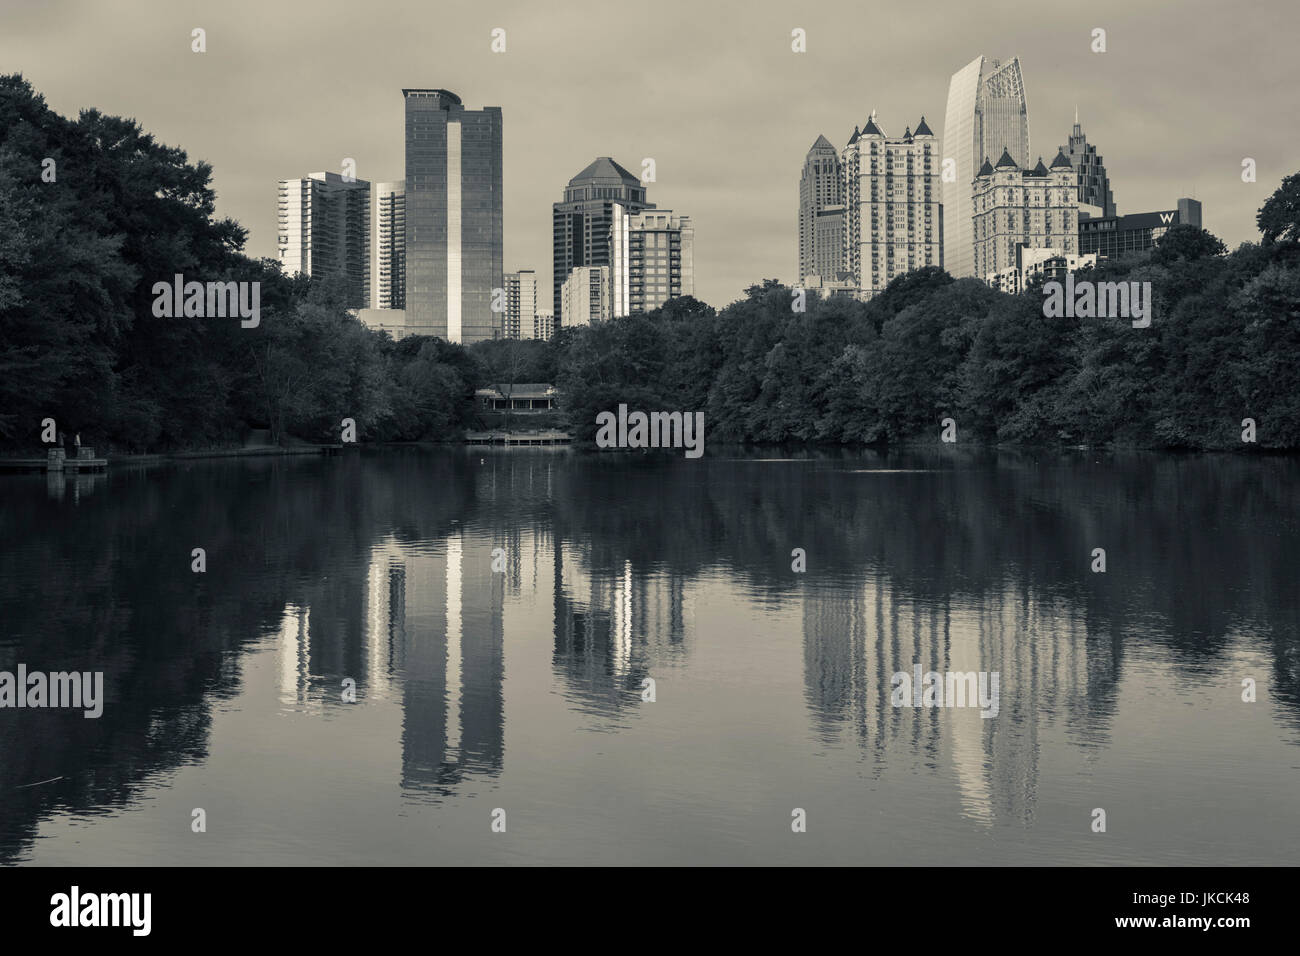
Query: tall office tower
x,y
986,115
545,325
1019,209
1090,173
453,217
652,259
325,231
893,219
520,320
584,297
582,221
390,246
820,186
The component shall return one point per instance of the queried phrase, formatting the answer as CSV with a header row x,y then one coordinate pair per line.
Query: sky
x,y
711,90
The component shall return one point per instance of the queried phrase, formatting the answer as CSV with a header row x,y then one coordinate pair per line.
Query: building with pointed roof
x,y
820,188
1089,170
582,222
893,209
1019,210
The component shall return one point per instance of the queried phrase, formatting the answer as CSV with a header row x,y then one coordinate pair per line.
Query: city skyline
x,y
727,134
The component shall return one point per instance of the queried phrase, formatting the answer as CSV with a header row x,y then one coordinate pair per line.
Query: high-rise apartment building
x,y
584,297
324,231
821,187
545,325
389,273
1089,171
1019,208
453,216
893,205
582,222
652,259
520,320
986,116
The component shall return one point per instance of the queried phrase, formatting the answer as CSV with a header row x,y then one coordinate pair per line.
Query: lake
x,y
393,655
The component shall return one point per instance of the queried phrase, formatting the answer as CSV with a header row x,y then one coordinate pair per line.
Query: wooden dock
x,y
56,459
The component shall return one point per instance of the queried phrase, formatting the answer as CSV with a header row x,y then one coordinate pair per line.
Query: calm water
x,y
522,690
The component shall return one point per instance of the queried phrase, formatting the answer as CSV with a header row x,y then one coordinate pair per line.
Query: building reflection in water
x,y
612,627
433,641
1050,671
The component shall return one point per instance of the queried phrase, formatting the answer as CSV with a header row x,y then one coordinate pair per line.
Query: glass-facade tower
x,y
453,217
986,115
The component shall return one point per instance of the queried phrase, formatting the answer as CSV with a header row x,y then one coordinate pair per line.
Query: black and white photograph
x,y
680,435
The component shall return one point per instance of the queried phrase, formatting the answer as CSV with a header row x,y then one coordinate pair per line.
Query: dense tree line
x,y
94,211
1222,347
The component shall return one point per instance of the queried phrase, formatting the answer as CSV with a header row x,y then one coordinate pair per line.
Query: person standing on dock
x,y
77,443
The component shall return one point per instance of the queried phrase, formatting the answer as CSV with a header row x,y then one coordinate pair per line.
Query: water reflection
x,y
420,575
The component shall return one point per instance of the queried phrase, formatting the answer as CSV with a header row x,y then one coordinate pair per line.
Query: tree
x,y
1189,242
1279,217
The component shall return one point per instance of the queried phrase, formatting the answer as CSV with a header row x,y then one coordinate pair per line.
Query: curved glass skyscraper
x,y
986,115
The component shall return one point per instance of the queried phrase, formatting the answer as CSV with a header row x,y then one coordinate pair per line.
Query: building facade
x,y
987,114
820,187
453,216
1117,236
582,222
520,319
389,285
1050,264
584,297
1019,209
324,231
545,325
652,259
893,208
1090,172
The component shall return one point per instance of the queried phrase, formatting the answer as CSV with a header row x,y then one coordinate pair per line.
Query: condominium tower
x,y
652,259
893,209
1020,209
390,246
324,231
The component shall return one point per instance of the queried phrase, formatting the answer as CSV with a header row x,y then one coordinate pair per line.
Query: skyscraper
x,y
453,216
582,222
325,231
1090,173
820,186
986,115
893,216
652,259
390,246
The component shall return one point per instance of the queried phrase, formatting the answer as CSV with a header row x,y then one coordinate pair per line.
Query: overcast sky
x,y
710,90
